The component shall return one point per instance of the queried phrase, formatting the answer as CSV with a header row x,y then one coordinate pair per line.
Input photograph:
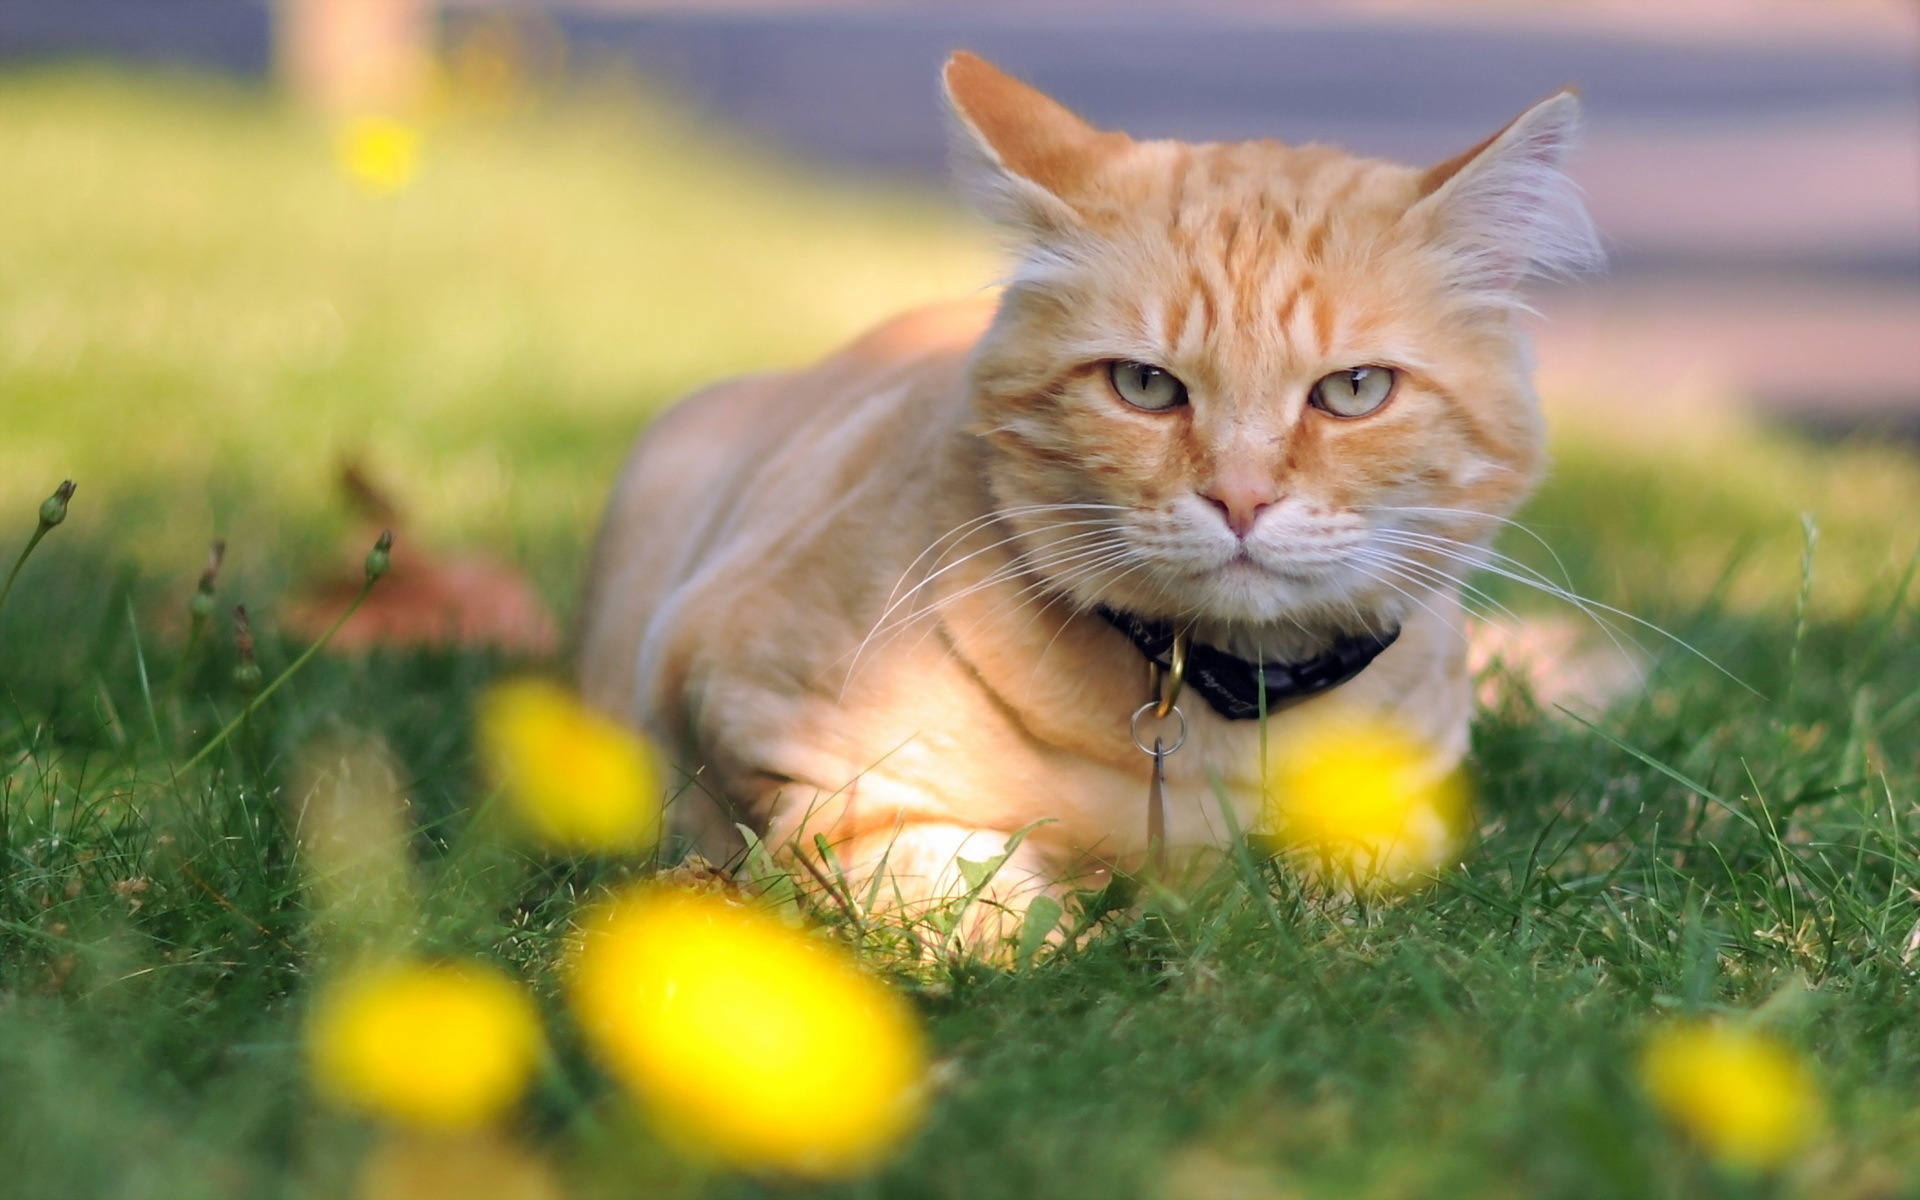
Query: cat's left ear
x,y
1020,155
1506,209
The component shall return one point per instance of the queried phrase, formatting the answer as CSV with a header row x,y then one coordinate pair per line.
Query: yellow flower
x,y
746,1040
437,1045
467,1165
573,777
1747,1098
1362,792
379,154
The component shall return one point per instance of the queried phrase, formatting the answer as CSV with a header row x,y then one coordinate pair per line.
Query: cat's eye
x,y
1144,385
1355,392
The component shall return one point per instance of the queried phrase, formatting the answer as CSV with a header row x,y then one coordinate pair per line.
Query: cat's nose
x,y
1241,503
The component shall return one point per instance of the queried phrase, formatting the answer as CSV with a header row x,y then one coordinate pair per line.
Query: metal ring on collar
x,y
1150,707
1176,672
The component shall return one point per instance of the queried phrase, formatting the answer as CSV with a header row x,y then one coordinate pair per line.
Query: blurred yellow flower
x,y
746,1040
379,154
429,1044
465,1165
575,778
1747,1098
1379,803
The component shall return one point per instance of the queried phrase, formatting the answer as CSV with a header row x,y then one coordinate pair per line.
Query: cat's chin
x,y
1245,591
1255,610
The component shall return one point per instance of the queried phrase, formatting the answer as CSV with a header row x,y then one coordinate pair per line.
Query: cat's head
x,y
1273,387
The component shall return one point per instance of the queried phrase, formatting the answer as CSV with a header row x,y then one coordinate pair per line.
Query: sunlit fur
x,y
857,600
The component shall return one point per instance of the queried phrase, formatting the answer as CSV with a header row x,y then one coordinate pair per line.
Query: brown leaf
x,y
426,598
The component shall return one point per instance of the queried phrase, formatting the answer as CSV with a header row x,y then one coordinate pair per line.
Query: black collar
x,y
1231,684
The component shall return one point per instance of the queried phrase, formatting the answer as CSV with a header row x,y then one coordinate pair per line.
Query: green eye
x,y
1144,385
1355,392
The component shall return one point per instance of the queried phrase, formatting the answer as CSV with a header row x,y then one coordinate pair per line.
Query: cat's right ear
x,y
1021,156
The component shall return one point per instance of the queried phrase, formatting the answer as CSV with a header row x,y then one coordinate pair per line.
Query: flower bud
x,y
246,675
54,509
201,606
380,557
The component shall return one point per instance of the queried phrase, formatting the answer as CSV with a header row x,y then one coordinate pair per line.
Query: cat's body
x,y
859,600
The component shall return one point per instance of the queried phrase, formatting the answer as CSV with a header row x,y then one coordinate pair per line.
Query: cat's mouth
x,y
1241,568
1243,565
1299,589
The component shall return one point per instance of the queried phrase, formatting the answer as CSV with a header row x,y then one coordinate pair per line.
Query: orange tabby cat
x,y
1272,397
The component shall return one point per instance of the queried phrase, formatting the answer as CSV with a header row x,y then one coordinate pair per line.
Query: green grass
x,y
198,316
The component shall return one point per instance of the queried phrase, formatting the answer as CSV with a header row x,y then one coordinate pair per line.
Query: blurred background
x,y
459,252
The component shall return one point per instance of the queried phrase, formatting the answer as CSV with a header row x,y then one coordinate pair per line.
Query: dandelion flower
x,y
379,154
469,1165
745,1040
435,1045
1366,795
574,778
1746,1098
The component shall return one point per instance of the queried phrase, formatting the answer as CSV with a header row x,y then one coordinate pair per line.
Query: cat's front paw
x,y
952,889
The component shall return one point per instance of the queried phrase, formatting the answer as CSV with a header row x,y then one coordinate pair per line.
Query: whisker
x,y
966,527
1509,522
1477,559
1100,524
1084,566
1474,602
1432,576
1023,596
1435,544
999,576
1081,610
1483,552
1386,582
1104,527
